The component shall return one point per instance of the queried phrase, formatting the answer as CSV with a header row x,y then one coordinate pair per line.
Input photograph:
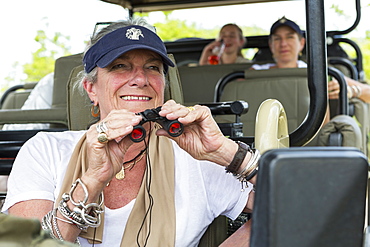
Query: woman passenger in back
x,y
286,43
227,46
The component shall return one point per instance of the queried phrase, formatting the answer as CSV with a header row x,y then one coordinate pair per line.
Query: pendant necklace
x,y
131,163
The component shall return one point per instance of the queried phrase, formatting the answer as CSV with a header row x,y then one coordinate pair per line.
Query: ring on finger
x,y
191,108
102,127
102,137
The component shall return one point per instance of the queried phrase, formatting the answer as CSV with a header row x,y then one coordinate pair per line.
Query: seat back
x,y
349,125
63,68
361,114
345,65
56,115
310,197
288,86
79,105
198,82
15,97
341,130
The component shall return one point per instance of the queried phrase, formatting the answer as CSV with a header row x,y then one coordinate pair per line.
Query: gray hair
x,y
92,76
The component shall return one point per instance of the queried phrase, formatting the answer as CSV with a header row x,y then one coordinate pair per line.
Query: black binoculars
x,y
173,127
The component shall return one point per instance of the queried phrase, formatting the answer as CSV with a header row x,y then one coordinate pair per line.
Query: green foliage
x,y
254,31
175,29
337,10
365,47
44,57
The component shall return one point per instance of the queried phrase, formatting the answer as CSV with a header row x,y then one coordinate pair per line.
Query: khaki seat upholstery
x,y
358,109
15,99
288,86
361,114
342,130
57,114
198,82
63,68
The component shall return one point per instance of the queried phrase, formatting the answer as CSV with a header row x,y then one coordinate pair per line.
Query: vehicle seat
x,y
14,97
198,82
360,111
345,66
342,130
56,115
310,196
288,86
63,68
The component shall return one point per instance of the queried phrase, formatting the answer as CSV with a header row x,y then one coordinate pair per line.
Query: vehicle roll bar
x,y
316,72
343,99
346,63
359,56
354,25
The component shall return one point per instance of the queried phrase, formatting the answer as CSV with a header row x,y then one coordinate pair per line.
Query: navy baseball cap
x,y
122,40
285,22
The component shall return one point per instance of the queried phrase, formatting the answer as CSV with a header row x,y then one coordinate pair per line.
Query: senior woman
x,y
98,187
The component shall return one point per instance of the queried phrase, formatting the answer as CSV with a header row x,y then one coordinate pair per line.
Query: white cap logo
x,y
134,33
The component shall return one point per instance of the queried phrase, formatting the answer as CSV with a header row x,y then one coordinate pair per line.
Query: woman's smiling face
x,y
134,81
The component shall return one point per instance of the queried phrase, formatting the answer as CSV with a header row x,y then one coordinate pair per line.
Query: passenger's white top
x,y
203,190
300,64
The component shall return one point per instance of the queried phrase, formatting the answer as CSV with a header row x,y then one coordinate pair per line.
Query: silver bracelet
x,y
46,224
55,224
82,215
49,224
71,216
250,167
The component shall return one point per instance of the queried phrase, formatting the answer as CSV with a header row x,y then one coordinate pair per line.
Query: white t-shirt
x,y
203,190
300,64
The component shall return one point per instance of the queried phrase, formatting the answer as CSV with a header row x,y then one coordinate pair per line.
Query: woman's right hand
x,y
208,51
105,159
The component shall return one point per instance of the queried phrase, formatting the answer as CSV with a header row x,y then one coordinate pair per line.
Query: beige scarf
x,y
156,195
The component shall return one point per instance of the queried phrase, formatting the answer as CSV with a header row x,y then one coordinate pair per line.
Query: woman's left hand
x,y
202,137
